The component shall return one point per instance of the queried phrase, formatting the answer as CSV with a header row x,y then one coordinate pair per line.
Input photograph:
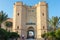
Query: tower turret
x,y
41,18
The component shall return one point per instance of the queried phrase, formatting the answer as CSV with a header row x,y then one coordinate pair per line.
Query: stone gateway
x,y
30,21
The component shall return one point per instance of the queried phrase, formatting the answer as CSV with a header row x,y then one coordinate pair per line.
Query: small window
x,y
32,10
44,31
17,27
43,27
43,14
18,14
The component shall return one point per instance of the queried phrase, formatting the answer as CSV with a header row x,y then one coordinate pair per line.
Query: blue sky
x,y
53,6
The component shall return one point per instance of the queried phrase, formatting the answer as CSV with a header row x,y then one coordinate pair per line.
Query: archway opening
x,y
30,33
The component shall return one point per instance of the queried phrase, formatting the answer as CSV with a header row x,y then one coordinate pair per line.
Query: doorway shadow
x,y
30,33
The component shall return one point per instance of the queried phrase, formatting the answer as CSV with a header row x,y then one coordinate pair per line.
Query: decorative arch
x,y
30,32
30,28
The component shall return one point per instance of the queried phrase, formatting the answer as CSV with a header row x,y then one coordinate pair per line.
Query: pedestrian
x,y
22,37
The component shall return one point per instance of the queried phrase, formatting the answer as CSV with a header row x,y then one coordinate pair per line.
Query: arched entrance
x,y
30,33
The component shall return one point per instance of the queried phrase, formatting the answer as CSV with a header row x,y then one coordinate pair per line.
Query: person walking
x,y
23,37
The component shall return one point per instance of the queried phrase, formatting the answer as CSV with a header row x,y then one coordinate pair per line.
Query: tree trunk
x,y
55,29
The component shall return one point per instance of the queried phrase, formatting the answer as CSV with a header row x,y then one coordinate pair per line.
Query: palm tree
x,y
8,24
53,22
14,35
49,35
44,36
3,34
3,17
57,33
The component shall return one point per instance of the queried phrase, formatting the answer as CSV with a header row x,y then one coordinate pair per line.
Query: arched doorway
x,y
30,33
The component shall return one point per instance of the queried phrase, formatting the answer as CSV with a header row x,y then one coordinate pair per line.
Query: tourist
x,y
22,37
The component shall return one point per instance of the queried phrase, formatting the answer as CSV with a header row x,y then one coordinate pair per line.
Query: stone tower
x,y
30,21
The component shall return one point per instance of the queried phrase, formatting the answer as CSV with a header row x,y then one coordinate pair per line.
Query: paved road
x,y
32,39
35,39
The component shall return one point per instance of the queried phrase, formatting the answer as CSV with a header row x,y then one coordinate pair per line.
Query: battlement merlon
x,y
18,3
41,4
